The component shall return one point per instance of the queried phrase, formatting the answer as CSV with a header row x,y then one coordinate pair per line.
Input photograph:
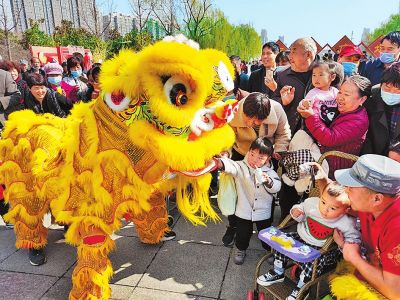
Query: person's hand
x,y
287,94
304,104
338,237
277,156
305,112
319,171
95,94
241,94
269,80
265,177
296,212
224,154
394,155
351,252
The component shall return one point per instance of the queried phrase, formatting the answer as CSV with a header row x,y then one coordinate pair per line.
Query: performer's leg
x,y
90,279
151,226
26,213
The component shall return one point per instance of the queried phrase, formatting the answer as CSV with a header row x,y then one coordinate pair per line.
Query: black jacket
x,y
288,77
256,82
378,135
53,103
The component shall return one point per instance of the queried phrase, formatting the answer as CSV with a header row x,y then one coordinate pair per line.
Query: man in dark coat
x,y
262,80
384,113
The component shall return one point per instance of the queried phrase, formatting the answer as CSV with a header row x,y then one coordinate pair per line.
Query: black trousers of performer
x,y
3,207
244,230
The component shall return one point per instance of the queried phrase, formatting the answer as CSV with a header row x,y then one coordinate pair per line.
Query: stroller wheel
x,y
170,221
250,295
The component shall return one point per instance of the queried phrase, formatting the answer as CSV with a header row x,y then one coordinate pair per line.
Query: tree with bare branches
x,y
166,13
7,24
195,13
93,18
141,10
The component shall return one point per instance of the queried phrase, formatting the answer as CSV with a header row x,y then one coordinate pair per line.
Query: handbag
x,y
227,195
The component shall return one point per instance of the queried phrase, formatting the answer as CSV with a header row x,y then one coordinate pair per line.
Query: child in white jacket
x,y
255,183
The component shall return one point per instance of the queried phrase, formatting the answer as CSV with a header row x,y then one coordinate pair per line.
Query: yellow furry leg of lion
x,y
90,279
346,286
152,225
26,213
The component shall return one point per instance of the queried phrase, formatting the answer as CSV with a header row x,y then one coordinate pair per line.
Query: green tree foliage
x,y
245,42
240,40
35,37
393,24
66,34
219,31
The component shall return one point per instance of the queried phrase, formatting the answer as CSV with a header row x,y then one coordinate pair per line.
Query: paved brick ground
x,y
195,265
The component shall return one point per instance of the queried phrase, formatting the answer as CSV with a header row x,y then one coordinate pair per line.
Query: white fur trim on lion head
x,y
180,38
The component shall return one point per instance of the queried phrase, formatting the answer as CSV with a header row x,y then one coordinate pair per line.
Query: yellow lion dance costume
x,y
160,113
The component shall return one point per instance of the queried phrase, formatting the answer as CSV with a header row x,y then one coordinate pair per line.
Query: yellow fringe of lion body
x,y
346,286
95,167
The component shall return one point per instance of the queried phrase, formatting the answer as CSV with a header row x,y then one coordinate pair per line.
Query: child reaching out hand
x,y
255,182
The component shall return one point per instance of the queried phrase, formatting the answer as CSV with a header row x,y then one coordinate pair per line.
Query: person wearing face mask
x,y
54,76
350,57
389,53
282,61
384,113
75,89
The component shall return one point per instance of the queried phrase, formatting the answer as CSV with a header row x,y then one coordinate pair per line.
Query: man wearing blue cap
x,y
373,186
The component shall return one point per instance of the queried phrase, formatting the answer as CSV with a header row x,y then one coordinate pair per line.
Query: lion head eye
x,y
176,90
117,100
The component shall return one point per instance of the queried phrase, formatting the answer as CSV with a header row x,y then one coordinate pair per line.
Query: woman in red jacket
x,y
348,130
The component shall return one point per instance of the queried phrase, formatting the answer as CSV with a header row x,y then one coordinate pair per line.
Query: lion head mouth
x,y
210,166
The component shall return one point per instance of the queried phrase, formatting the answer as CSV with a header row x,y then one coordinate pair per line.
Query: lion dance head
x,y
171,97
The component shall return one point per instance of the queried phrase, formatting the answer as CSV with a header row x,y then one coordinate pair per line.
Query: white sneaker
x,y
168,236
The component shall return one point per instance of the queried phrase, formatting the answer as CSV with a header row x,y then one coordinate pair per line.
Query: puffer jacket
x,y
346,133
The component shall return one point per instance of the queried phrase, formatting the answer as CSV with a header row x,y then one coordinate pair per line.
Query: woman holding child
x,y
348,130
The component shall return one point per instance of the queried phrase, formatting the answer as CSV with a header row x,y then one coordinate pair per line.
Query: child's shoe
x,y
270,278
295,293
239,256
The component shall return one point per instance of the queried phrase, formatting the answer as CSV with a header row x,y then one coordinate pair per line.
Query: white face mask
x,y
390,98
281,68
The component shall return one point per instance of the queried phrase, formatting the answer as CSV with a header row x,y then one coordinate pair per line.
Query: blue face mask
x,y
76,73
390,98
54,80
280,68
349,68
386,58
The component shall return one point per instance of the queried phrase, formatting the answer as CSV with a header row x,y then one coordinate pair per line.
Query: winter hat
x,y
53,69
